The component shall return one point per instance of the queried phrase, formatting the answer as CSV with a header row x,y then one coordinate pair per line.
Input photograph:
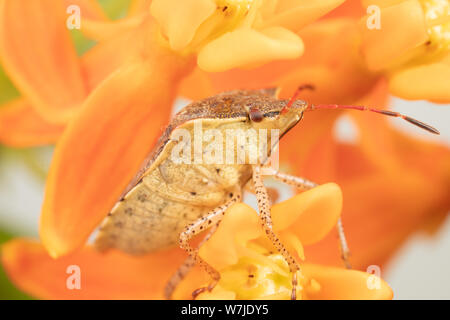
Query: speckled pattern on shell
x,y
156,206
231,104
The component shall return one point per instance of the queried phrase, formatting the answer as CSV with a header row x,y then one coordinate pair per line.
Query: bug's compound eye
x,y
256,115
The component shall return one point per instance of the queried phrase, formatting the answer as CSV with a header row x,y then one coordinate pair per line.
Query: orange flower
x,y
302,220
411,46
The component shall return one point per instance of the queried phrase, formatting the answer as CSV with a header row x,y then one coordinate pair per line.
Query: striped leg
x,y
185,267
304,184
266,220
212,218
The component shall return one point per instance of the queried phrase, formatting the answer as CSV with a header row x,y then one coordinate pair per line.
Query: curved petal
x,y
428,82
21,126
239,225
100,30
112,275
179,20
349,9
138,6
310,215
343,284
295,14
402,29
105,58
244,47
33,38
105,145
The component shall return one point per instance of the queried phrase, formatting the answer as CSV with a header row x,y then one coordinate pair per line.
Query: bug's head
x,y
274,113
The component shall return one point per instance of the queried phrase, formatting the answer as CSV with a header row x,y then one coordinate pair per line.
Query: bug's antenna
x,y
413,121
295,95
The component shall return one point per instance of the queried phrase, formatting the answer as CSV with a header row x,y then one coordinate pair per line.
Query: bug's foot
x,y
346,260
198,291
294,287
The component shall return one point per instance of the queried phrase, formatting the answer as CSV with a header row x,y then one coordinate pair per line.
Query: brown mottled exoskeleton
x,y
170,202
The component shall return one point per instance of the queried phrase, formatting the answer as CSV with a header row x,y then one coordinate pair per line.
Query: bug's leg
x,y
262,198
213,217
185,267
345,251
304,184
274,195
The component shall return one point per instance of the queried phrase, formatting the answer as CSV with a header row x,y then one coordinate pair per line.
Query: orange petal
x,y
429,82
349,9
179,20
112,275
402,29
343,284
105,58
21,126
239,225
138,6
197,85
104,146
310,215
295,14
246,47
38,55
105,30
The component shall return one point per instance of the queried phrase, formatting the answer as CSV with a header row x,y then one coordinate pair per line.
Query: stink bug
x,y
169,201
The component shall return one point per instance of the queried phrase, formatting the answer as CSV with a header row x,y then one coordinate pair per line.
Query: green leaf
x,y
7,89
115,9
82,44
7,290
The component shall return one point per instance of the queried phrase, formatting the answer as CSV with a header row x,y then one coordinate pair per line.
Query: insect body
x,y
168,196
171,201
